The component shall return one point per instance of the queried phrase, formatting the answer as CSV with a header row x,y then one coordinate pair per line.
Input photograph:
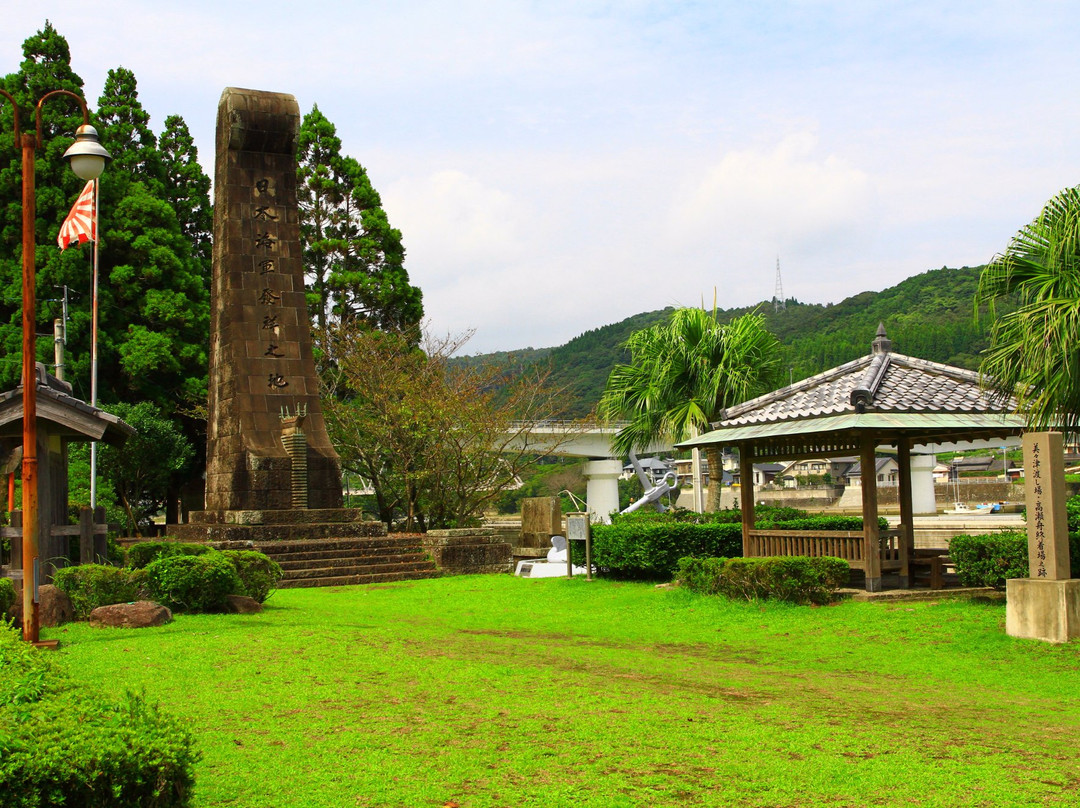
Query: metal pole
x,y
29,380
94,347
58,348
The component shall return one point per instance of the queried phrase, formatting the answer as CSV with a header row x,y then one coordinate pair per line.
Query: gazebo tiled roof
x,y
884,399
885,392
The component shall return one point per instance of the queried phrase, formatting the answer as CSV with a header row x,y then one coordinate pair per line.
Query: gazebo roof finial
x,y
881,344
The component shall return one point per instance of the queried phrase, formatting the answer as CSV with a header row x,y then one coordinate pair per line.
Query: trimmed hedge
x,y
193,583
145,552
794,579
990,559
258,573
61,744
651,547
93,585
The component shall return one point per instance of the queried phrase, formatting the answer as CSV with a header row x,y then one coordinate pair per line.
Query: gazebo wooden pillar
x,y
871,538
746,493
907,512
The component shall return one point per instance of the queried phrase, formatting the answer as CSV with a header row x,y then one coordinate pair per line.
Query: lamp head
x,y
86,155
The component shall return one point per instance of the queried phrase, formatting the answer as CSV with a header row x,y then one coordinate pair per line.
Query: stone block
x,y
464,552
1040,609
141,614
242,604
54,607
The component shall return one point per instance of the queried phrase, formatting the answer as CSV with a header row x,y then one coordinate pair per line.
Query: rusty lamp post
x,y
87,158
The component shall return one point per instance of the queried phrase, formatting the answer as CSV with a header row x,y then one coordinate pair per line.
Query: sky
x,y
558,166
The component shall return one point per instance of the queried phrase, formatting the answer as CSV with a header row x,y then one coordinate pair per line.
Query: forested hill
x,y
930,316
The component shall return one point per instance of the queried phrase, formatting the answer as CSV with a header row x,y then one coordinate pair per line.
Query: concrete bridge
x,y
593,442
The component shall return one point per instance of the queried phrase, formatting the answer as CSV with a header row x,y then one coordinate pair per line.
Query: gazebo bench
x,y
935,566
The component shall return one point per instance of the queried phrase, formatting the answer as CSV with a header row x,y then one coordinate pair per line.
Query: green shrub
x,y
990,559
199,583
141,554
7,596
258,573
762,514
650,546
795,579
61,744
93,585
700,574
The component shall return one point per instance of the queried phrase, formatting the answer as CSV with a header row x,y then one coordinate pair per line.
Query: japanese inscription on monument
x,y
1048,536
260,344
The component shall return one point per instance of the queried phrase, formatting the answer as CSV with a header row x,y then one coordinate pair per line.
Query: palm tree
x,y
1034,351
683,373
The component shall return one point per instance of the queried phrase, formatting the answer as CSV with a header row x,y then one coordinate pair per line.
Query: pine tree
x,y
45,67
125,126
187,188
353,257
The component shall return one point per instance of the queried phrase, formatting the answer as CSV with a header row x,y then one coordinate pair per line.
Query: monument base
x,y
277,525
1038,609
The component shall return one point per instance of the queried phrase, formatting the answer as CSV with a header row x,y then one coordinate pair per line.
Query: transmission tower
x,y
778,297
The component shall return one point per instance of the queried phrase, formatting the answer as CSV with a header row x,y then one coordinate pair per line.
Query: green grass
x,y
495,691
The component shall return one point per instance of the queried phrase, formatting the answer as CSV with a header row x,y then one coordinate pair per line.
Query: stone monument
x,y
262,375
273,479
1045,605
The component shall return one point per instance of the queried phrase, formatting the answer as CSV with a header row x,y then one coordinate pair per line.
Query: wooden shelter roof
x,y
72,418
885,395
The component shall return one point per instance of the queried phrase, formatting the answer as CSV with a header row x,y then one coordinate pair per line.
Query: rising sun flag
x,y
79,226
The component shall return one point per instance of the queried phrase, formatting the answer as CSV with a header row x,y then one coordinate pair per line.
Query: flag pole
x,y
94,346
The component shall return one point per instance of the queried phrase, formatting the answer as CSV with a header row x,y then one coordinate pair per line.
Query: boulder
x,y
141,614
54,607
242,604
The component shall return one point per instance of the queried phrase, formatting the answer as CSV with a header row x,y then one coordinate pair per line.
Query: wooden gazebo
x,y
884,400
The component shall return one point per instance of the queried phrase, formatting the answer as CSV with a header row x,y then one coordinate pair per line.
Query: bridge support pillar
x,y
602,488
922,485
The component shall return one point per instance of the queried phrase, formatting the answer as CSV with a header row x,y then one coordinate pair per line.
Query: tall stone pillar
x,y
260,339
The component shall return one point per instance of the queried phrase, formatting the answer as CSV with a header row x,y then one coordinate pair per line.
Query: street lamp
x,y
87,158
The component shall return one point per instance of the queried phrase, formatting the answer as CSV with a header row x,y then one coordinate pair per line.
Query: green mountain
x,y
930,316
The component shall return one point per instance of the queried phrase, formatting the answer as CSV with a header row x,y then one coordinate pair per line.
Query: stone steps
x,y
310,560
353,580
349,561
277,533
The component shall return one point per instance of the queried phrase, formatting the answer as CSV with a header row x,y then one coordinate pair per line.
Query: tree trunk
x,y
714,456
131,516
172,505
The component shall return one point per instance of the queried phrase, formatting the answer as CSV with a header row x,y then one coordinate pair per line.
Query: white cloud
x,y
787,193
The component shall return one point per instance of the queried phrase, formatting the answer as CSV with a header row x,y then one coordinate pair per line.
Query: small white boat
x,y
962,508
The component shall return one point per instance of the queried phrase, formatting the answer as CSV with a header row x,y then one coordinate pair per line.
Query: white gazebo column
x,y
602,488
923,502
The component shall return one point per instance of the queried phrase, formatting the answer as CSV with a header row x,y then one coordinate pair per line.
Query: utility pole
x,y
60,335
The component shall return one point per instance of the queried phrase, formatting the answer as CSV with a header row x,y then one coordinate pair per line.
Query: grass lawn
x,y
495,691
